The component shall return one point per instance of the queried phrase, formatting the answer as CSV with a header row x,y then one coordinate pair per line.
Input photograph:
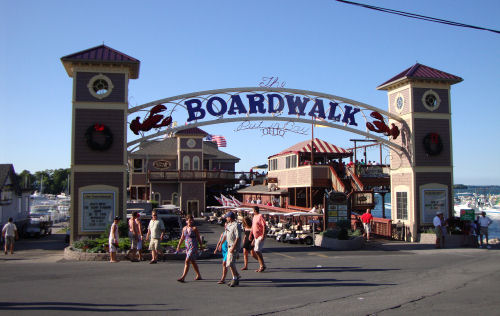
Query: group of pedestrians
x,y
156,229
477,229
251,236
230,242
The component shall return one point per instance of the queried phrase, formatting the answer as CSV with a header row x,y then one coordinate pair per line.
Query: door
x,y
193,208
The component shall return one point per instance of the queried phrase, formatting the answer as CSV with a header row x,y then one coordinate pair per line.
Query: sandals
x,y
198,278
261,269
244,268
181,280
221,282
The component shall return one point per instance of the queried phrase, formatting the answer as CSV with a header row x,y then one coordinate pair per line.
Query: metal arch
x,y
262,118
255,89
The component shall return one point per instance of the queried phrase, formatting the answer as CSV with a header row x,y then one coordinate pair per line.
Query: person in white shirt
x,y
484,222
437,221
9,232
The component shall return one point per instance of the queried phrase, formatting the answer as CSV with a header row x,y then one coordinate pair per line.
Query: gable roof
x,y
7,170
419,71
168,147
192,131
320,146
101,54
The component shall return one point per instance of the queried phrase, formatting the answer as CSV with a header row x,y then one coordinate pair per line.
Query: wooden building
x,y
183,170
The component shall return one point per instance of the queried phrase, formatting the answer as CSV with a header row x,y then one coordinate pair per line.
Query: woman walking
x,y
247,243
191,236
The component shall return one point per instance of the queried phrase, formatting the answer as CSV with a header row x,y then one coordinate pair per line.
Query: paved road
x,y
382,279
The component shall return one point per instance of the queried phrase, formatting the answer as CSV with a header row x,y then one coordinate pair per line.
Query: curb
x,y
74,255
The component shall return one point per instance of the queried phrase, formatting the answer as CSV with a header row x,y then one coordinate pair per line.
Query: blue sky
x,y
188,46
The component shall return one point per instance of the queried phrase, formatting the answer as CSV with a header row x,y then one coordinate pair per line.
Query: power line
x,y
418,16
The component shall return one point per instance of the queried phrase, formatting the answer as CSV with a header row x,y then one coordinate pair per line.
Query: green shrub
x,y
356,233
330,233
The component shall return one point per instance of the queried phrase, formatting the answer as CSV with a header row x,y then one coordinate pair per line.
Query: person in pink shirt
x,y
257,236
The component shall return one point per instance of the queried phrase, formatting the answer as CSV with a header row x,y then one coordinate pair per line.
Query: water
x,y
493,230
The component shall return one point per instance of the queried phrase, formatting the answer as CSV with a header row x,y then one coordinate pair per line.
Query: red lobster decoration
x,y
379,126
152,120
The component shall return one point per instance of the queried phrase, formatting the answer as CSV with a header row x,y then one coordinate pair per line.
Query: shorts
x,y
112,247
230,259
133,240
367,227
154,244
259,244
9,240
483,230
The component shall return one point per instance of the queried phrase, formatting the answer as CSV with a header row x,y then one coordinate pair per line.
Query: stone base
x,y
74,255
335,244
450,241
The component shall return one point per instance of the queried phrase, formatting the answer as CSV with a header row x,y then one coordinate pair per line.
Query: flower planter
x,y
450,241
75,254
335,244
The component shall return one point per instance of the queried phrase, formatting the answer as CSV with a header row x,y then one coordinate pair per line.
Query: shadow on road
x,y
81,307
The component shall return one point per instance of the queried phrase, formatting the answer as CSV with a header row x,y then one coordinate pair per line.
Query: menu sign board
x,y
467,214
98,210
336,208
433,201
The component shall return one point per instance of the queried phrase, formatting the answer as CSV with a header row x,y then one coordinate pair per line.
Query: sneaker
x,y
489,247
233,283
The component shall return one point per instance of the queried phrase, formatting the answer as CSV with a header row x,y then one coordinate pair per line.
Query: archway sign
x,y
416,127
266,104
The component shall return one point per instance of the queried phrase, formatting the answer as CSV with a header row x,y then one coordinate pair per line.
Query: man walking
x,y
134,233
437,221
258,235
156,230
233,237
484,222
9,233
367,219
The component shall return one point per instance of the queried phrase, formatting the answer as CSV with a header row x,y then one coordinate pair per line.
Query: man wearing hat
x,y
233,237
437,221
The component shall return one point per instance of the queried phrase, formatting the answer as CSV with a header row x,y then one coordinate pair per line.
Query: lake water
x,y
493,230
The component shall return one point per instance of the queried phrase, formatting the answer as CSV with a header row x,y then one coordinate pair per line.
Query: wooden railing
x,y
357,183
337,183
380,226
193,175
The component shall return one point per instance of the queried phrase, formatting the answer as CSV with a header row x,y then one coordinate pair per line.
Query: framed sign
x,y
433,201
467,214
98,210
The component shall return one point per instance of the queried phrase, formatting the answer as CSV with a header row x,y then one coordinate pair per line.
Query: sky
x,y
189,46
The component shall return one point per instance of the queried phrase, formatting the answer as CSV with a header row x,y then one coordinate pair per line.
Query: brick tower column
x,y
99,137
422,176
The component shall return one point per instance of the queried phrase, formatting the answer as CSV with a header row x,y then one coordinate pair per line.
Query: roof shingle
x,y
419,71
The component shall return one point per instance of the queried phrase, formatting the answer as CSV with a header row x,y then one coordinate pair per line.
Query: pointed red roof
x,y
320,146
192,131
102,54
419,71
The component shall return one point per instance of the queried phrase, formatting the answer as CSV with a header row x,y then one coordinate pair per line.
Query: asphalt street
x,y
385,278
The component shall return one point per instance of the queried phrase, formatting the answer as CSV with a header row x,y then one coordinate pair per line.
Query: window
x,y
137,165
175,198
196,163
402,205
291,162
273,164
186,162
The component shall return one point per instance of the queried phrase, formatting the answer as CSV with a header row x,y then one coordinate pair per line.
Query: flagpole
x,y
312,162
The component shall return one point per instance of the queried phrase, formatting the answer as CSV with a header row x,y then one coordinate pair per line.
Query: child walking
x,y
222,246
191,236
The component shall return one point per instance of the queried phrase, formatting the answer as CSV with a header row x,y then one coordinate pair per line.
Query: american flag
x,y
218,139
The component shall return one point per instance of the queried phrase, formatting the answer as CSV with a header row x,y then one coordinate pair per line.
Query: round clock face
x,y
399,103
431,100
191,143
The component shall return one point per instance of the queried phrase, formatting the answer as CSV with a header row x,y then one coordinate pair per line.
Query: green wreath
x,y
99,129
433,144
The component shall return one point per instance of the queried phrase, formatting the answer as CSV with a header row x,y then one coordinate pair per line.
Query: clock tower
x,y
422,175
98,137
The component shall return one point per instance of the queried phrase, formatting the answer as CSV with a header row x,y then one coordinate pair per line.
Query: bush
x,y
356,233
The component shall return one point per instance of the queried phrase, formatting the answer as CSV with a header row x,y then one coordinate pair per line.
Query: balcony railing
x,y
204,175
